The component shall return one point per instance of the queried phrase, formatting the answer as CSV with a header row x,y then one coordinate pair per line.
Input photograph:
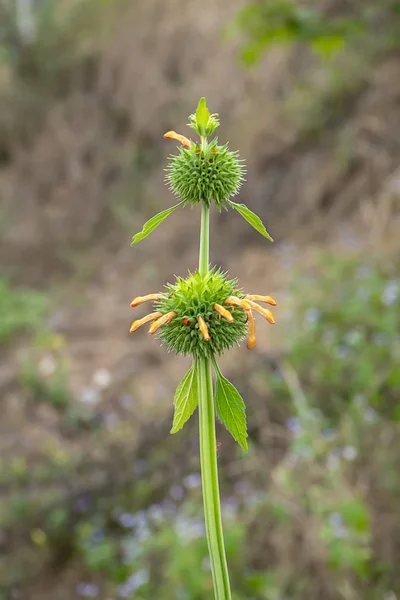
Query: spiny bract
x,y
204,174
195,297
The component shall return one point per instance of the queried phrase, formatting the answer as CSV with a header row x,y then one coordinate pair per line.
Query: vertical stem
x,y
208,449
204,253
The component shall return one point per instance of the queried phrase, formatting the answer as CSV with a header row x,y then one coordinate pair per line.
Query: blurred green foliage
x,y
42,40
346,335
45,55
269,22
312,528
21,311
51,388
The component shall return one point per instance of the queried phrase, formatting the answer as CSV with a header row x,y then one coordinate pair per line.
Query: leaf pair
x,y
229,404
242,209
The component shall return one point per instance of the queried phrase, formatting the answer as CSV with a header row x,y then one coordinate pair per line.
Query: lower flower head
x,y
200,328
203,315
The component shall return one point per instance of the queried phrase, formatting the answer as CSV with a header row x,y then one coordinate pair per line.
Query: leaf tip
x,y
243,444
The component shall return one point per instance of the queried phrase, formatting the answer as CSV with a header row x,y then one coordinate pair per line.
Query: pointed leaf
x,y
153,223
202,114
251,218
231,409
186,399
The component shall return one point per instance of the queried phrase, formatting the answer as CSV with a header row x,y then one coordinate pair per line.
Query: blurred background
x,y
97,499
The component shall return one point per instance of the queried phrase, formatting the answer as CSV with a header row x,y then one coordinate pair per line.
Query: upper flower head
x,y
205,173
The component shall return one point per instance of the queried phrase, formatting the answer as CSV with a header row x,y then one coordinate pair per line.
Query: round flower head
x,y
203,326
203,315
199,174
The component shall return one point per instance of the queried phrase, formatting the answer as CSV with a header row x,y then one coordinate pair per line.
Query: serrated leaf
x,y
186,399
202,114
153,223
231,409
251,218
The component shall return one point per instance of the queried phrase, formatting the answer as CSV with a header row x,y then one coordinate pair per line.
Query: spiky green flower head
x,y
203,325
204,171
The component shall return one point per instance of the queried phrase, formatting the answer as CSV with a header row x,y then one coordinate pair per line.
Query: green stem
x,y
208,450
204,253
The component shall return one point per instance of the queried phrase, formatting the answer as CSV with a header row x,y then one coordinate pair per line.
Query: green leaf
x,y
230,408
202,114
355,515
251,218
329,46
186,399
153,223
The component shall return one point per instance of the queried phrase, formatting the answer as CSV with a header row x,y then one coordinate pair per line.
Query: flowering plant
x,y
206,313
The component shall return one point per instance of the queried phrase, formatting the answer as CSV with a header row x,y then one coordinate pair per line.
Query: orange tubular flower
x,y
267,314
172,135
233,300
203,328
224,313
257,298
161,321
140,299
251,341
146,319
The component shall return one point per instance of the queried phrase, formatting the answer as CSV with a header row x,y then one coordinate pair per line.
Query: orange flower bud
x,y
146,319
224,313
251,341
161,321
267,314
266,299
238,302
172,135
203,328
141,299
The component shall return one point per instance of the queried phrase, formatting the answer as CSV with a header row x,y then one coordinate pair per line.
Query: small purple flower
x,y
97,535
193,480
336,519
176,492
311,316
87,590
127,520
371,416
342,352
328,434
133,583
156,513
82,504
391,292
349,453
294,425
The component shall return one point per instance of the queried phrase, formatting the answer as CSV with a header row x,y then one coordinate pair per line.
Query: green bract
x,y
205,173
193,297
203,123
